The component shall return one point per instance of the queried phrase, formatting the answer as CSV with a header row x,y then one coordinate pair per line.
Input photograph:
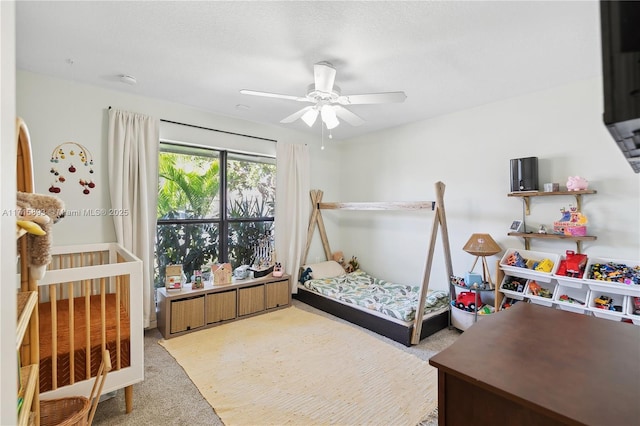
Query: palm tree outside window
x,y
213,206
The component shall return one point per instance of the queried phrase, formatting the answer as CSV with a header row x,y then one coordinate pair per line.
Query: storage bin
x,y
572,293
603,285
615,300
462,319
575,260
530,257
630,309
507,302
519,295
571,282
540,300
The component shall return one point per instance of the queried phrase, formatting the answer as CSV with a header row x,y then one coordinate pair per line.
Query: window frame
x,y
224,220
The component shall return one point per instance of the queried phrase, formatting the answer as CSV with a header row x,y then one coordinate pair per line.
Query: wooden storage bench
x,y
185,310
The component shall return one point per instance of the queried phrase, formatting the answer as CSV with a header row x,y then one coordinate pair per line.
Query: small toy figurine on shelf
x,y
542,230
277,270
197,280
572,222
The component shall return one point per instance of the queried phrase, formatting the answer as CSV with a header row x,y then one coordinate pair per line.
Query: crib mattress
x,y
80,350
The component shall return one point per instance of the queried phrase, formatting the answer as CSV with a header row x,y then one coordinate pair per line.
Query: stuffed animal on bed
x,y
353,265
305,275
36,214
338,256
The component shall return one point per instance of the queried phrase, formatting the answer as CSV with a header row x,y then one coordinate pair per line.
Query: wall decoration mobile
x,y
70,153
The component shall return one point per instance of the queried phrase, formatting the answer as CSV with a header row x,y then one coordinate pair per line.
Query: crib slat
x,y
103,314
72,335
87,334
118,325
54,335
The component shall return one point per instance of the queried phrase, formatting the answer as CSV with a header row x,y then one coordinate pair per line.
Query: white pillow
x,y
328,269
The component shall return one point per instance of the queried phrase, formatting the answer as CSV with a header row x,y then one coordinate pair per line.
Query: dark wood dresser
x,y
533,365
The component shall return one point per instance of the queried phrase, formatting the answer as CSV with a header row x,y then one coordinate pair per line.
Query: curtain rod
x,y
215,130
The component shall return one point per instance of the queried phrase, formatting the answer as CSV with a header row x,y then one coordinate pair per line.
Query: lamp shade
x,y
481,245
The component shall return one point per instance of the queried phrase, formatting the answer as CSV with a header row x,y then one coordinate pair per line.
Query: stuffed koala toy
x,y
42,211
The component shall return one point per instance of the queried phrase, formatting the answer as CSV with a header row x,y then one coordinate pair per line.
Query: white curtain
x,y
292,206
133,143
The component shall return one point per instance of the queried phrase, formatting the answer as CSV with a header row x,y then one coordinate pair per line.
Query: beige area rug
x,y
292,367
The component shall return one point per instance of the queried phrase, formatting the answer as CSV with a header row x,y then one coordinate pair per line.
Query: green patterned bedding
x,y
398,301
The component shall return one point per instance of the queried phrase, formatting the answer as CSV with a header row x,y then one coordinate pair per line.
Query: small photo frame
x,y
516,226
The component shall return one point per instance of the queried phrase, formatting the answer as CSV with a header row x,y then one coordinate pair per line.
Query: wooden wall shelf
x,y
529,235
526,195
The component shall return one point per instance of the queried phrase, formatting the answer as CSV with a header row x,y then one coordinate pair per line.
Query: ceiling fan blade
x,y
348,116
372,98
296,115
274,95
324,75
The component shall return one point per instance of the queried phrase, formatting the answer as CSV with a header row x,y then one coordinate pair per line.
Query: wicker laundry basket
x,y
75,410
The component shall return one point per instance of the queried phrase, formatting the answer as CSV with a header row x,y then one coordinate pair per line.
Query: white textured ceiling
x,y
445,55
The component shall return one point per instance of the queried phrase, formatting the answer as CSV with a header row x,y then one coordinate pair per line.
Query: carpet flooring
x,y
168,397
295,367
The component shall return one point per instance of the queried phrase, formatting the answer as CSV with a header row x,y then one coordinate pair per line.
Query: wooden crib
x,y
90,300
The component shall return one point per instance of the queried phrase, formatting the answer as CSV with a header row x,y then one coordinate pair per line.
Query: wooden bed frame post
x,y
439,220
316,218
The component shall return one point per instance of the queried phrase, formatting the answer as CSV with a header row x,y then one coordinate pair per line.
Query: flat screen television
x,y
620,34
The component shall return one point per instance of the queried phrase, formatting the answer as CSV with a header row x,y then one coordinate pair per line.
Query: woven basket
x,y
69,411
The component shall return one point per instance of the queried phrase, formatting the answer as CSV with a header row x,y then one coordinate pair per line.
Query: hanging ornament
x,y
59,153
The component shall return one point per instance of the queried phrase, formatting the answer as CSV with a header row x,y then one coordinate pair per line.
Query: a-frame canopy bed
x,y
404,313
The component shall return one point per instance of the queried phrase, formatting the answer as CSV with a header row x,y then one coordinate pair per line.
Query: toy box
x,y
571,299
621,276
462,319
527,263
633,309
513,287
570,271
540,293
607,305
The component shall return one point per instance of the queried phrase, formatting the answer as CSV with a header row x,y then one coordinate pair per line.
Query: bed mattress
x,y
396,301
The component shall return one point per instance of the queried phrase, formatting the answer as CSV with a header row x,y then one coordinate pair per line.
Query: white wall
x,y
470,151
58,111
8,363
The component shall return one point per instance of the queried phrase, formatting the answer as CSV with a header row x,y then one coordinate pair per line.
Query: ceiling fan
x,y
328,101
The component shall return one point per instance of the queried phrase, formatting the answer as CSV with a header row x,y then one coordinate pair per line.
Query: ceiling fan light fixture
x,y
329,117
327,100
310,116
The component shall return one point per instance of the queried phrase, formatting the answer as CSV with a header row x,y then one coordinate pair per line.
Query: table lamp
x,y
482,245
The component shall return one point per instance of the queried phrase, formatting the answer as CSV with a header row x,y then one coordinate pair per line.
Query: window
x,y
213,206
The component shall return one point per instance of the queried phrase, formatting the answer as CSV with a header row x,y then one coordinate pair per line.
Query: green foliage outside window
x,y
189,212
